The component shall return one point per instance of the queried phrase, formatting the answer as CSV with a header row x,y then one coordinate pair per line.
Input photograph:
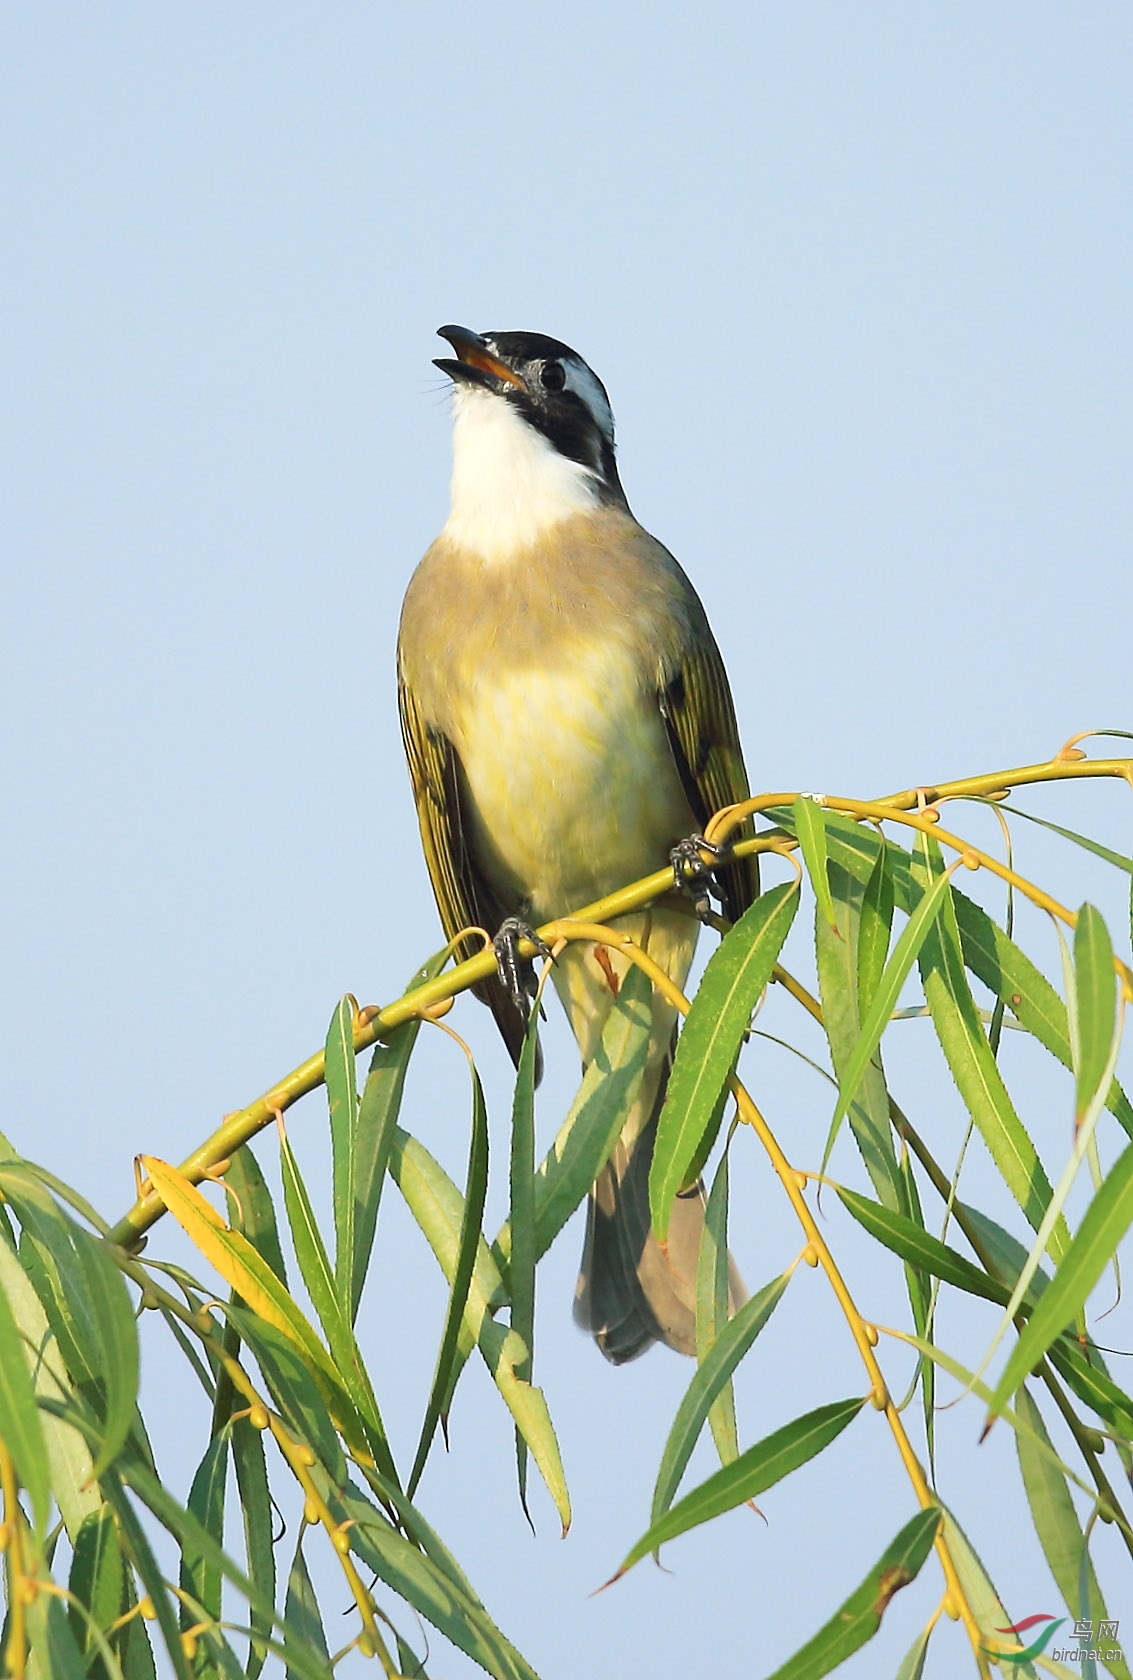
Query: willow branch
x,y
372,1025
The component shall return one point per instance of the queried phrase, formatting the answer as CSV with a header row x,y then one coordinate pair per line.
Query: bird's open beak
x,y
476,364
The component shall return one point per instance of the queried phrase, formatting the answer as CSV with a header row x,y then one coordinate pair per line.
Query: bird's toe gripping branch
x,y
694,877
516,971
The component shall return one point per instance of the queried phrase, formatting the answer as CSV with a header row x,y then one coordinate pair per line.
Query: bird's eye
x,y
553,376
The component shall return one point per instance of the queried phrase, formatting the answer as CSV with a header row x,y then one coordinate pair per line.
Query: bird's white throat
x,y
509,483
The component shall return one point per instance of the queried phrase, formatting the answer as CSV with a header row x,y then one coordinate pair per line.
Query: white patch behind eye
x,y
583,383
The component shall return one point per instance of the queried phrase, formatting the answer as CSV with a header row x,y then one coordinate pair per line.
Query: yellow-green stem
x,y
16,1660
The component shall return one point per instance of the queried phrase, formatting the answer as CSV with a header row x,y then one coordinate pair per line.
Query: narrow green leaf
x,y
342,1098
141,1555
441,1597
1093,1386
97,1581
1088,1379
738,972
755,1470
298,1396
137,1651
971,1380
976,1071
437,1206
310,1251
874,929
979,1590
1010,974
1104,1224
810,826
246,1272
597,1114
922,1302
187,1529
377,1116
733,1342
53,1648
63,1192
256,1513
314,1264
253,1211
200,1576
1096,988
475,1193
189,1532
301,1615
837,962
991,955
577,1155
521,1222
69,1460
594,1122
19,1417
1118,859
920,1248
859,1618
1057,1526
894,975
1007,1255
397,1508
912,1668
713,1300
1082,1141
408,1662
87,1304
219,1392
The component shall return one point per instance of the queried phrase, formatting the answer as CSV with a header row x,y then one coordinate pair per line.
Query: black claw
x,y
691,875
516,972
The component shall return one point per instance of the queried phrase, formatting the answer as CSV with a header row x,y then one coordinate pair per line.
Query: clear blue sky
x,y
858,280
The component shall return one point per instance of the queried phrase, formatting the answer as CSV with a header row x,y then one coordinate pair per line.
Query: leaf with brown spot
x,y
859,1618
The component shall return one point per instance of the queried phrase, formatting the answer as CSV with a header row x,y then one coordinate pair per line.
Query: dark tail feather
x,y
630,1292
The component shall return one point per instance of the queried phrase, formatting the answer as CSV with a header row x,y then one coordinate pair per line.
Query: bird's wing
x,y
696,704
463,897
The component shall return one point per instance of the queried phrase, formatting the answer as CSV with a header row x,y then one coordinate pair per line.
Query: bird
x,y
567,721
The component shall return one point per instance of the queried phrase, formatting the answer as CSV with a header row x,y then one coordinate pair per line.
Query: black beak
x,y
477,364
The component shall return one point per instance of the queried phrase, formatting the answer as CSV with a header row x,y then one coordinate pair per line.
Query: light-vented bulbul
x,y
567,721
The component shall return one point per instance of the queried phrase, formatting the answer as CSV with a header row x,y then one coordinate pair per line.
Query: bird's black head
x,y
548,383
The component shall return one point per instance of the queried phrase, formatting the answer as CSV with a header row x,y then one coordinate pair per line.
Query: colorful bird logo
x,y
1018,1629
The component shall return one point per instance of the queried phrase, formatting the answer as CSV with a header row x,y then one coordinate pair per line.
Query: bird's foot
x,y
516,972
694,877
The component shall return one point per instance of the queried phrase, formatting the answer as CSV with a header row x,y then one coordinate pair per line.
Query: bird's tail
x,y
631,1291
